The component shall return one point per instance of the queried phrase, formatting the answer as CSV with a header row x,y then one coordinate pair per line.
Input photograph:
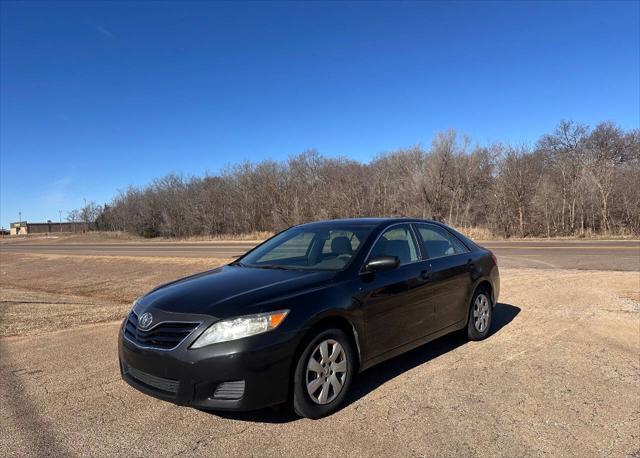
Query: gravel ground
x,y
560,375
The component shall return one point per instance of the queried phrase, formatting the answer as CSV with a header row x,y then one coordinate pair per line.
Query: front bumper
x,y
191,377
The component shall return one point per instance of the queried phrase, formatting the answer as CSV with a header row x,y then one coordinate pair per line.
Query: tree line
x,y
575,181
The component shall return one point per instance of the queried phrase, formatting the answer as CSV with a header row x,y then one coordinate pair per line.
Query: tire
x,y
317,399
480,315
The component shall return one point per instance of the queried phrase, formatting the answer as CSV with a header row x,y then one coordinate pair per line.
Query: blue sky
x,y
96,96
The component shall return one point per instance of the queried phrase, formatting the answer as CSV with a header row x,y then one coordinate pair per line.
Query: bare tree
x,y
517,183
564,149
576,181
74,216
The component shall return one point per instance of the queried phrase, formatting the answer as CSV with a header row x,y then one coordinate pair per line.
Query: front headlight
x,y
237,328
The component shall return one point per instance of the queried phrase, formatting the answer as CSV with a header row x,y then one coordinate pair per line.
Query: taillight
x,y
493,256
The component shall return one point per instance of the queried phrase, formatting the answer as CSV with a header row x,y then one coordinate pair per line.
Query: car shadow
x,y
380,374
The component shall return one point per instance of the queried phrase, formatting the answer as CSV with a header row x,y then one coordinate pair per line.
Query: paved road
x,y
556,254
568,254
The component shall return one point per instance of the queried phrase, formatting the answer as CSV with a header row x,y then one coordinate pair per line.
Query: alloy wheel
x,y
481,312
326,371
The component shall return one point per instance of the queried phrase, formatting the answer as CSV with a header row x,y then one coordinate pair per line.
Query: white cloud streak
x,y
57,192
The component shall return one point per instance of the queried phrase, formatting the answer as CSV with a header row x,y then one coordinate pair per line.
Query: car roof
x,y
371,222
383,222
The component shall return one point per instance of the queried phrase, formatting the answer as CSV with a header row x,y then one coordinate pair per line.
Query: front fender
x,y
335,305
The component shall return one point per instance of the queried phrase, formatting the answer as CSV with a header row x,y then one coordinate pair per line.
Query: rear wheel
x,y
323,374
480,315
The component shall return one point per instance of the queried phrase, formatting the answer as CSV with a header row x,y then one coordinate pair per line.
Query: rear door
x,y
449,269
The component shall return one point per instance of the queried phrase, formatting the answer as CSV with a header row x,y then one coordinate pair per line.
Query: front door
x,y
392,301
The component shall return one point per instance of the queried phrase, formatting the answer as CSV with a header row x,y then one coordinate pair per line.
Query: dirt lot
x,y
560,375
71,290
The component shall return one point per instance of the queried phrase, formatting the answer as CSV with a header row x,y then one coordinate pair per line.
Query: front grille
x,y
159,383
229,390
165,335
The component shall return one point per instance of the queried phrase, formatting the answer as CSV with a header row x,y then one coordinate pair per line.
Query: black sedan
x,y
296,318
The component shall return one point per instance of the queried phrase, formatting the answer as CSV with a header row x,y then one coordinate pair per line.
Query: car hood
x,y
231,290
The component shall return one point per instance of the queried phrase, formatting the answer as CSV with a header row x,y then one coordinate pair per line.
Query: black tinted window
x,y
313,247
295,247
439,242
396,241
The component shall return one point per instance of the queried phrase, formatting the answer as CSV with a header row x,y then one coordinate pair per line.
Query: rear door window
x,y
438,242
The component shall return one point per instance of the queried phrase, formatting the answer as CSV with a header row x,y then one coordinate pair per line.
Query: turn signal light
x,y
276,318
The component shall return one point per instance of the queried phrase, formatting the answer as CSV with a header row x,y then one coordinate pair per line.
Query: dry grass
x,y
477,233
87,237
485,235
43,291
29,312
474,233
248,236
124,237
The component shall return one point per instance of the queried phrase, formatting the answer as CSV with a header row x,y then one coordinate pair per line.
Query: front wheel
x,y
323,374
480,315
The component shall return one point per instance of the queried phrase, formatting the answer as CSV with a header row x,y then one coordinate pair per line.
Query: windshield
x,y
309,248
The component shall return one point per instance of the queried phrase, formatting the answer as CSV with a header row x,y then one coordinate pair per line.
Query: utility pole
x,y
60,219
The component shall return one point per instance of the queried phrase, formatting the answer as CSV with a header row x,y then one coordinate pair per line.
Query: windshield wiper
x,y
270,266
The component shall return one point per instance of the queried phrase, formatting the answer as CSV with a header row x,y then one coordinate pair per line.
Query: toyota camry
x,y
296,318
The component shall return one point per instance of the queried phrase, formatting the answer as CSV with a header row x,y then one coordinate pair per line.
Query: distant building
x,y
19,228
25,228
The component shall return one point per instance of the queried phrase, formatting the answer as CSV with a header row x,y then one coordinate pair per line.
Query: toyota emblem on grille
x,y
145,321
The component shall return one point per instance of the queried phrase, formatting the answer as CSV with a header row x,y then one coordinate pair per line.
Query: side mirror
x,y
382,263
